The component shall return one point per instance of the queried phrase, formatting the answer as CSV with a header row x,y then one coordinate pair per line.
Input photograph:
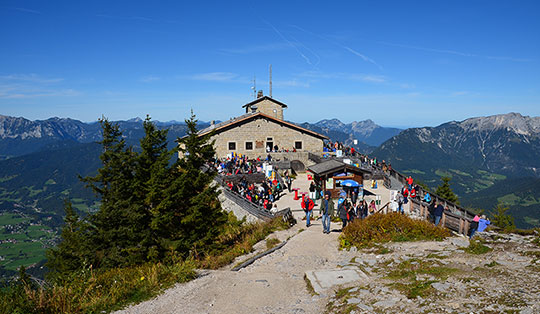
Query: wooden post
x,y
460,225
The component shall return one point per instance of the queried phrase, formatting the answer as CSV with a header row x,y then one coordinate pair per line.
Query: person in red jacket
x,y
413,193
410,182
307,206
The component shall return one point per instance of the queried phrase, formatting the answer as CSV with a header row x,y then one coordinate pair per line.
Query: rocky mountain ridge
x,y
508,144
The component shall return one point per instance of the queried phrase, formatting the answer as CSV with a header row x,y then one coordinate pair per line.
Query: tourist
x,y
474,226
363,209
427,198
410,182
354,196
312,190
343,210
353,212
307,206
326,211
289,183
483,223
400,200
438,212
372,208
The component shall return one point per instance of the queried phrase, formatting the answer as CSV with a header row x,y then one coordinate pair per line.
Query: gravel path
x,y
272,284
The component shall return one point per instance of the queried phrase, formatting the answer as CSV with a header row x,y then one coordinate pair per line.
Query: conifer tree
x,y
190,217
118,231
152,179
446,192
74,251
502,219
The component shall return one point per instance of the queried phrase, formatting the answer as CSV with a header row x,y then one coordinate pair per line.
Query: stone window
x,y
249,145
232,145
298,144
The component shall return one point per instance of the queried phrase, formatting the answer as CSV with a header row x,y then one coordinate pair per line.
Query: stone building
x,y
262,129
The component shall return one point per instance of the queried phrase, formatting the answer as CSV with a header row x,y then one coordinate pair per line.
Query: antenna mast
x,y
254,87
270,80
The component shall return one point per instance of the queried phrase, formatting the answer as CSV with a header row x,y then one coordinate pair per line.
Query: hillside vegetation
x,y
156,222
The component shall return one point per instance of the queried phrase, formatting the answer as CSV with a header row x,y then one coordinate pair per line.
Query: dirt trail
x,y
272,284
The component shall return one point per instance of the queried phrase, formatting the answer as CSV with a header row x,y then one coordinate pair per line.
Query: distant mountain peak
x,y
512,121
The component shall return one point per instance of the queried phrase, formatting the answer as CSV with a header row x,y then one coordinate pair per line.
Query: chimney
x,y
259,94
212,122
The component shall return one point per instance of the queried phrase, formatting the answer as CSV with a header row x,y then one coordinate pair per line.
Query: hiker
x,y
353,212
474,226
312,190
399,199
427,198
372,208
307,206
354,196
410,182
483,223
363,209
343,211
326,211
438,212
289,183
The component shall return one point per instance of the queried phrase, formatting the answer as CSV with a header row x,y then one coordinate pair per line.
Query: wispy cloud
x,y
345,76
134,18
25,10
347,48
455,52
150,78
294,45
214,76
29,78
17,86
256,48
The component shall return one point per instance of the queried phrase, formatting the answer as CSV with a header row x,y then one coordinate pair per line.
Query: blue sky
x,y
399,63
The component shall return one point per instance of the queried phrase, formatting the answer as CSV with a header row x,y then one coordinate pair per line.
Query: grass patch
x,y
309,286
239,240
416,288
492,264
382,250
380,228
91,291
406,276
270,243
477,247
94,292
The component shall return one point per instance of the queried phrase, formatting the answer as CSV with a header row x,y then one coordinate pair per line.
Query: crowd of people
x,y
264,193
348,209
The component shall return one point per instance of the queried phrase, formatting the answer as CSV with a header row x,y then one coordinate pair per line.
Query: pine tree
x,y
446,192
190,217
152,179
118,232
502,219
74,251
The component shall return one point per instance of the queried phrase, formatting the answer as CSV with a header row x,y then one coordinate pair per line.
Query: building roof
x,y
332,166
264,98
226,125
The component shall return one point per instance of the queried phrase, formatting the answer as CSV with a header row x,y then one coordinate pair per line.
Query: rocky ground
x,y
309,274
442,277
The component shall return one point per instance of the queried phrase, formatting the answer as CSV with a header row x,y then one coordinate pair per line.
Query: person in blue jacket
x,y
483,223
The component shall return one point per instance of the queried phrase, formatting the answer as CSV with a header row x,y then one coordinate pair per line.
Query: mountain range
x,y
485,157
489,159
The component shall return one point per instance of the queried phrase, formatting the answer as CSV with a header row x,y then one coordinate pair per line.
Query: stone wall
x,y
270,108
261,132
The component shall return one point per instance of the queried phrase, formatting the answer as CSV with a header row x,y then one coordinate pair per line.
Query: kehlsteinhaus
x,y
261,130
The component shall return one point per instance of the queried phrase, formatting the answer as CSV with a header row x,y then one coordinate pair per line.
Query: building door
x,y
269,144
